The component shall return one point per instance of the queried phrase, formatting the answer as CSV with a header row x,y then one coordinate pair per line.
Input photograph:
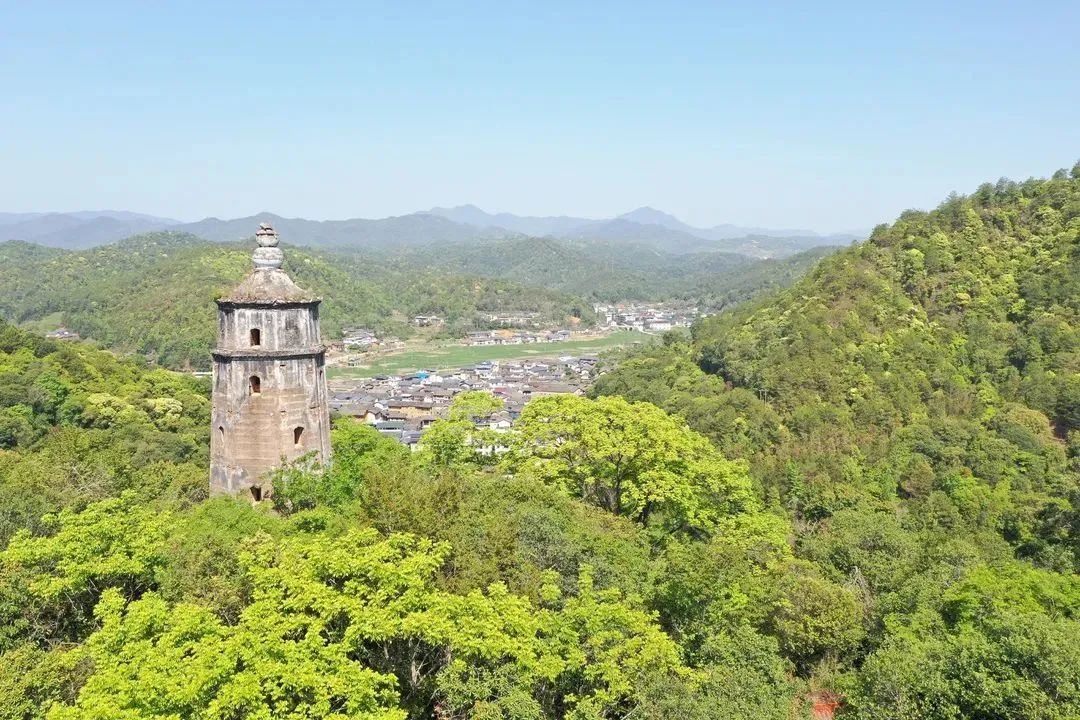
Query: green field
x,y
441,357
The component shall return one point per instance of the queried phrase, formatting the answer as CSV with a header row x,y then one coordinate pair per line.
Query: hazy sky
x,y
821,115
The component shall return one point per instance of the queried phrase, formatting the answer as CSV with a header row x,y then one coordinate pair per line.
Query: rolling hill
x,y
912,405
154,294
78,229
467,223
609,271
392,232
655,228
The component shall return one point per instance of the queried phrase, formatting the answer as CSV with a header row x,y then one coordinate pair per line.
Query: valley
x,y
450,355
152,294
854,479
540,361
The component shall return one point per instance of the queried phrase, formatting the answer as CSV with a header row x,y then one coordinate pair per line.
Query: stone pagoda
x,y
269,398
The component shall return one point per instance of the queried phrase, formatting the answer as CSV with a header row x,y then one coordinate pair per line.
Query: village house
x,y
482,337
62,334
358,338
404,406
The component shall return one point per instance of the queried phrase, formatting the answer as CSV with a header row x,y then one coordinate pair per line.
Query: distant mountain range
x,y
402,231
565,226
74,230
644,227
648,226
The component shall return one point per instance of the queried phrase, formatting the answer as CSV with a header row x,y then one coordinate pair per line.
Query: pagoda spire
x,y
267,255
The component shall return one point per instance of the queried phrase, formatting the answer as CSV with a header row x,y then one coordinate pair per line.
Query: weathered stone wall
x,y
255,429
280,328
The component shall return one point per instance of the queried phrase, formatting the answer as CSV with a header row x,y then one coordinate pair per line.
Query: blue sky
x,y
823,115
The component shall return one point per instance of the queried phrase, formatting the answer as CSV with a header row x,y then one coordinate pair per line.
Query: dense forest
x,y
154,294
861,492
913,406
609,271
391,585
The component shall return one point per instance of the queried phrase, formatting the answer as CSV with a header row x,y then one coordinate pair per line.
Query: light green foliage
x,y
869,486
111,542
473,406
459,439
909,403
156,661
154,294
356,628
358,449
631,459
50,584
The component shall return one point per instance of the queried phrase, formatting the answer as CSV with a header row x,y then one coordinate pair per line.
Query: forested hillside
x,y
913,406
858,493
78,425
393,585
154,294
616,271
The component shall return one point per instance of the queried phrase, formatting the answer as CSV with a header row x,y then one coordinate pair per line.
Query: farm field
x,y
440,357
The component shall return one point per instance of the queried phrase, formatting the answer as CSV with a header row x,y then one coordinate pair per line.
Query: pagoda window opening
x,y
256,493
256,337
256,384
297,435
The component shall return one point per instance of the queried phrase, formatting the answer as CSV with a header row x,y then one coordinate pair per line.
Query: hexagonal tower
x,y
269,398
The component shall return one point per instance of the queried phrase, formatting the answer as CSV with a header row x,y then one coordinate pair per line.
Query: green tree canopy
x,y
631,459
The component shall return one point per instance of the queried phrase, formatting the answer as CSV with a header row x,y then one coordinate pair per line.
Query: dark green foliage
x,y
79,425
616,271
1000,643
890,513
911,405
154,294
743,676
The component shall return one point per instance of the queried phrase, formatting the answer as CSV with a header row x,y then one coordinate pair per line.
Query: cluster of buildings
x,y
516,318
647,317
364,339
62,334
509,337
404,406
519,318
